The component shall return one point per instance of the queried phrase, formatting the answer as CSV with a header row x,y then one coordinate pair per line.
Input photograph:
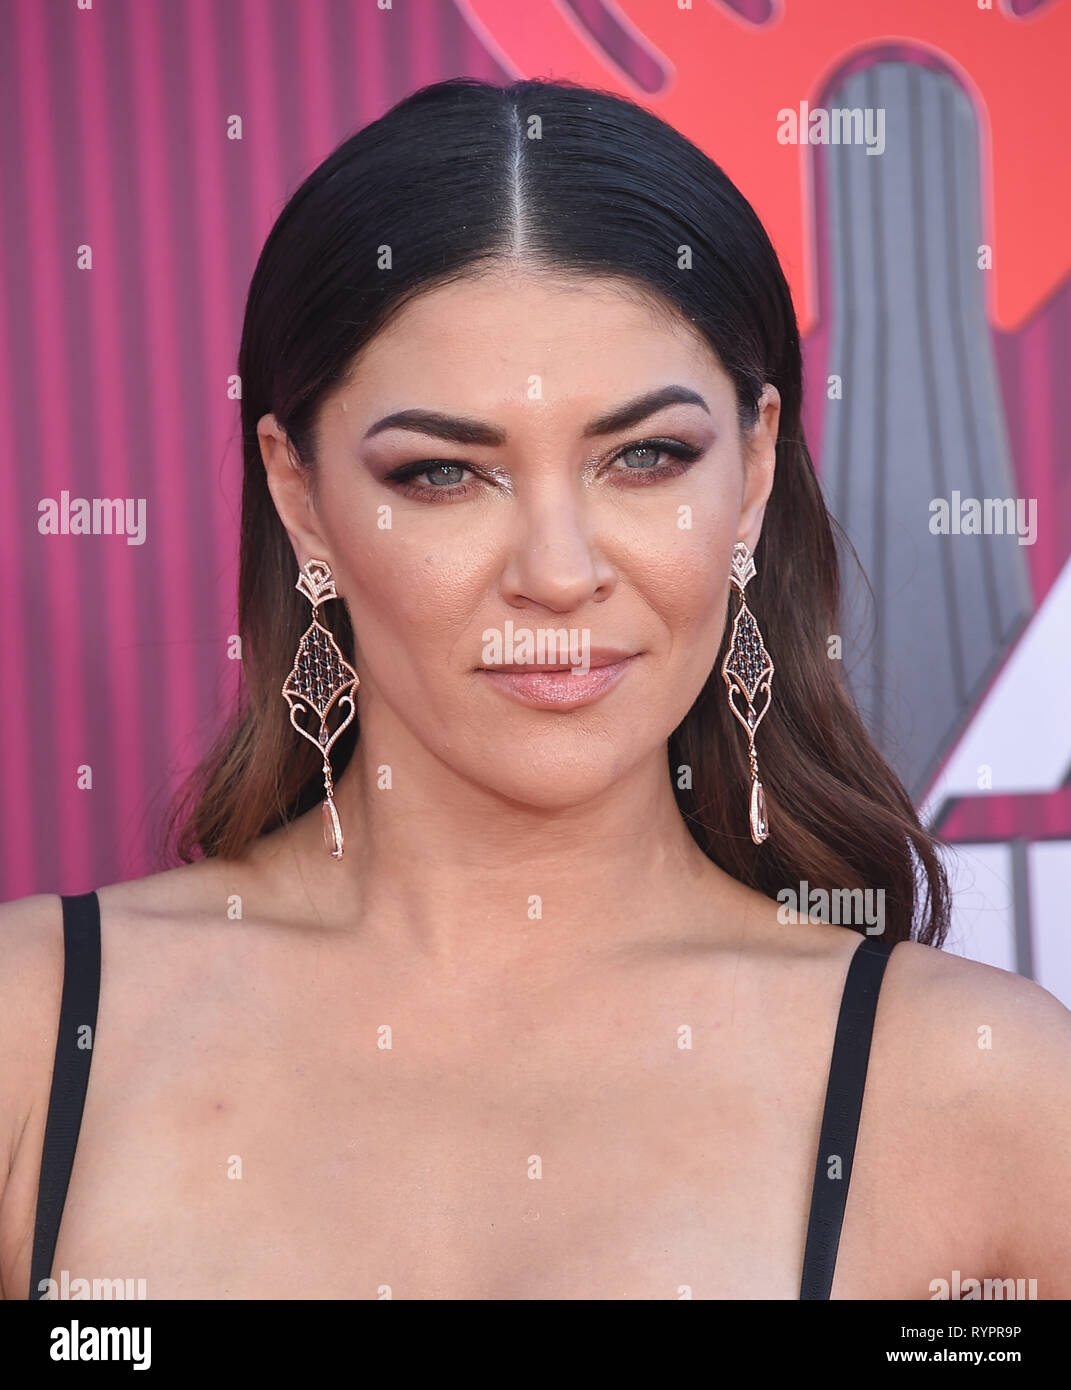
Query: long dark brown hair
x,y
459,175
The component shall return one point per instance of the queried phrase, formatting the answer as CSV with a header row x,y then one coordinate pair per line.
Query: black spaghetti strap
x,y
70,1075
840,1118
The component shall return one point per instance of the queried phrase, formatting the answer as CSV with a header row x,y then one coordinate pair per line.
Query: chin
x,y
569,774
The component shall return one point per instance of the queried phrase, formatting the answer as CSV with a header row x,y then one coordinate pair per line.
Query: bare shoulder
x,y
181,938
31,979
267,886
976,1011
178,896
994,1049
31,943
970,1092
32,968
31,973
968,1105
168,941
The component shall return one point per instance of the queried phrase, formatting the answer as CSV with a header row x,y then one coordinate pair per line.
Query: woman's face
x,y
524,506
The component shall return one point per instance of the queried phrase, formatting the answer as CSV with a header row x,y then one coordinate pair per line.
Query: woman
x,y
489,985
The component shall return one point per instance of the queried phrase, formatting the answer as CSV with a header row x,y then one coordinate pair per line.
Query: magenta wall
x,y
116,381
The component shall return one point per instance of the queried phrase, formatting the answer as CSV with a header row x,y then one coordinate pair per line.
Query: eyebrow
x,y
462,431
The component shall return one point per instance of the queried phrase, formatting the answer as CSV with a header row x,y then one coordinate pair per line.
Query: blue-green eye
x,y
445,480
436,474
652,454
650,450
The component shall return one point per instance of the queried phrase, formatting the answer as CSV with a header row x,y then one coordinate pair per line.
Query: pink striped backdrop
x,y
114,381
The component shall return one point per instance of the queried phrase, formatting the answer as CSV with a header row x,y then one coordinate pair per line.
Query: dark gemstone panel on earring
x,y
748,661
319,672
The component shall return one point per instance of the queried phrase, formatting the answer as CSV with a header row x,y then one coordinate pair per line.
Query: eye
x,y
444,479
645,452
650,452
444,474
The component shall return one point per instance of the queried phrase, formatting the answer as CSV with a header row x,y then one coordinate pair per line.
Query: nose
x,y
554,560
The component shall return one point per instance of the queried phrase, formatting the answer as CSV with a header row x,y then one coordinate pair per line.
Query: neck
x,y
445,868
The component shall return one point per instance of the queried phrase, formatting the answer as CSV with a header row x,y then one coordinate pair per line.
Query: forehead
x,y
490,334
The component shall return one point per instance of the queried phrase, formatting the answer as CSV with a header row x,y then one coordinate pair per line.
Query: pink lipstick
x,y
558,686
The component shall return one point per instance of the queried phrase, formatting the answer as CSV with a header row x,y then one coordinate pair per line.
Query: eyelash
x,y
403,478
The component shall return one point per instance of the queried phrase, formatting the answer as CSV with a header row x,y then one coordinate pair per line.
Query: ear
x,y
290,485
760,458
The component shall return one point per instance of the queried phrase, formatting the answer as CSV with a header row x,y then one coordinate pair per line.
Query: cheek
x,y
682,569
411,597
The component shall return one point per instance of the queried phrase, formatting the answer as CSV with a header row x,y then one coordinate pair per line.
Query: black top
x,y
74,1051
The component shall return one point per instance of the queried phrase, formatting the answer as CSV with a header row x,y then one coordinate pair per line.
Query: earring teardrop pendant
x,y
332,828
759,825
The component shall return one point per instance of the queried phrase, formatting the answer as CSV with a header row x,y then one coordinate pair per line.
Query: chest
x,y
654,1145
597,1162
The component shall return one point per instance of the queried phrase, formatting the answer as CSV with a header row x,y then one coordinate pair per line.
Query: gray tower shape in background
x,y
921,417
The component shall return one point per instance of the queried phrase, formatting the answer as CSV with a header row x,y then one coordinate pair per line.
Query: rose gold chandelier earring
x,y
748,671
321,677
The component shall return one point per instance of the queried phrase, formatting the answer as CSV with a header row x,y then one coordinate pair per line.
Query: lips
x,y
557,687
597,657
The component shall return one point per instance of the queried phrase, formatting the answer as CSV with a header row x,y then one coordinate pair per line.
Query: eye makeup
x,y
446,484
